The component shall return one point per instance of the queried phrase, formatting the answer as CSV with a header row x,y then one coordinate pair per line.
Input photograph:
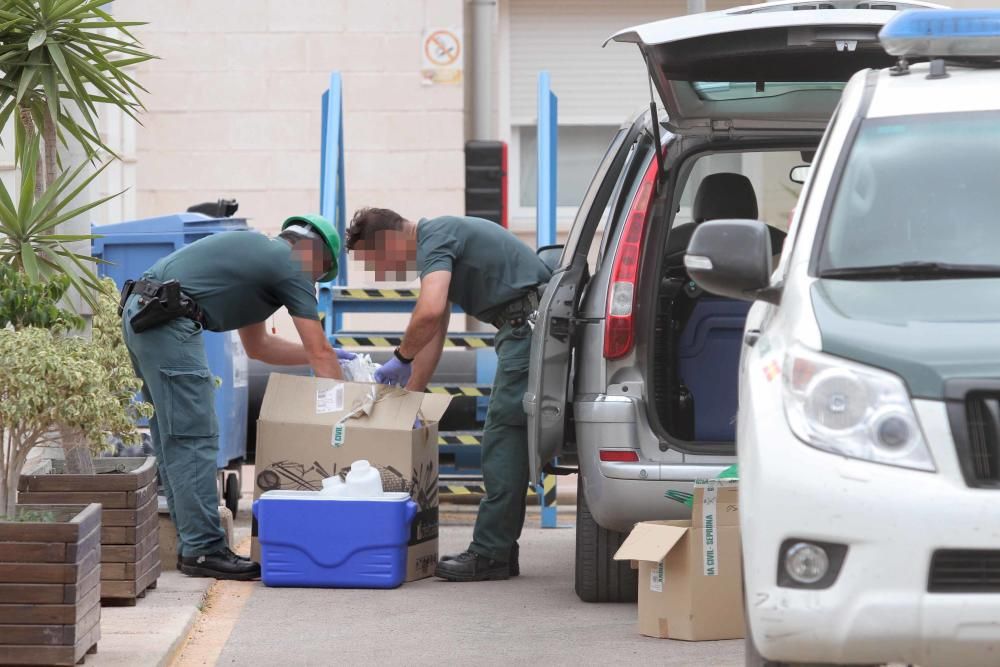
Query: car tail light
x,y
620,455
619,326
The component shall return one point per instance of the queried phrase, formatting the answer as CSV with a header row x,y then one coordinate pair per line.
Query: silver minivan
x,y
634,369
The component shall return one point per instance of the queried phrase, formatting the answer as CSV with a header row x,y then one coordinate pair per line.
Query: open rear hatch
x,y
774,66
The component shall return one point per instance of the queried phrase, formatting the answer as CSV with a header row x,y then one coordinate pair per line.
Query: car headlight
x,y
853,410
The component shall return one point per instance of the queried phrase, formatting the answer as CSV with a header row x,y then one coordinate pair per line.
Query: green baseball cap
x,y
327,232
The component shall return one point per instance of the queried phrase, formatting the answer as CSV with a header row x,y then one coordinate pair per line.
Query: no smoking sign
x,y
441,56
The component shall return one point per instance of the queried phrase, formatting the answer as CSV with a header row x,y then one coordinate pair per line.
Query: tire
x,y
599,578
232,493
268,480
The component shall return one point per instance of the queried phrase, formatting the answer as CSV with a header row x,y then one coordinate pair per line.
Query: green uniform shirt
x,y
240,278
489,265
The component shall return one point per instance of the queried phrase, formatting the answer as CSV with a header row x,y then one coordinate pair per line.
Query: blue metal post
x,y
332,190
548,126
548,112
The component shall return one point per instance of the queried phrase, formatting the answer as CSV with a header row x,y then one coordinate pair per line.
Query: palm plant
x,y
29,238
59,60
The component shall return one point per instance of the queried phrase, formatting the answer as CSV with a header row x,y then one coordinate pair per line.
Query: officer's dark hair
x,y
369,221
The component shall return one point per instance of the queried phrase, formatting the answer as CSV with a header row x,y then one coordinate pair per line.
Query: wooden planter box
x,y
126,490
50,586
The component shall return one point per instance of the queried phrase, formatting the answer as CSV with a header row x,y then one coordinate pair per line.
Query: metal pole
x,y
548,125
481,70
331,188
481,80
548,113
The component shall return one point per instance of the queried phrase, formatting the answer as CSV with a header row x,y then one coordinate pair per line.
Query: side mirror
x,y
732,258
799,174
550,254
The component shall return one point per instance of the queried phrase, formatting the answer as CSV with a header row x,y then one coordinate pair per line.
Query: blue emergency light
x,y
942,33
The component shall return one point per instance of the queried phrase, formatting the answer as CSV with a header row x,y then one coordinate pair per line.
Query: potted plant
x,y
53,380
89,391
50,576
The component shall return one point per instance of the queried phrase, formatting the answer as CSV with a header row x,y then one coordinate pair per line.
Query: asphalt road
x,y
535,618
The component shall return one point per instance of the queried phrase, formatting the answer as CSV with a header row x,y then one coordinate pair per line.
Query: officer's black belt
x,y
516,312
160,302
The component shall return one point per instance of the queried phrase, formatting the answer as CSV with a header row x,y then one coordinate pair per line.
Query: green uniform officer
x,y
224,282
495,277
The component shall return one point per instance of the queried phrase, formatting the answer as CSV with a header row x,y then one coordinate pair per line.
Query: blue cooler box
x,y
314,540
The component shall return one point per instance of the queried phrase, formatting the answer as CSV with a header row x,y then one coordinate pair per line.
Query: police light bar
x,y
941,33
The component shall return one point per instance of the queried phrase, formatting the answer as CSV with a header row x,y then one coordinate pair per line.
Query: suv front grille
x,y
965,571
974,413
983,416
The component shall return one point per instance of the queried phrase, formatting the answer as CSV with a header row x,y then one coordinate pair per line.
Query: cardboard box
x,y
312,428
690,580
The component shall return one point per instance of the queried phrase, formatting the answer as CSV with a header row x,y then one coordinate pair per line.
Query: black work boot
x,y
470,566
513,564
223,564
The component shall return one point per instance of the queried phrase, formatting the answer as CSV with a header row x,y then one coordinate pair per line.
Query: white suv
x,y
869,408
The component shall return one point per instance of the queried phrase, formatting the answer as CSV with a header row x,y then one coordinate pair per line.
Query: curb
x,y
178,644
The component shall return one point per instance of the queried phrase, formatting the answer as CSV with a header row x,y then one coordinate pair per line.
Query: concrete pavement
x,y
536,617
150,633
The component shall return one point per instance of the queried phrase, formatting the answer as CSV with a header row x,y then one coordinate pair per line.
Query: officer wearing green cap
x,y
226,282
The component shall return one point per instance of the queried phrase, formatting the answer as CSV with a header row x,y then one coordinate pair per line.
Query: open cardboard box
x,y
690,581
311,428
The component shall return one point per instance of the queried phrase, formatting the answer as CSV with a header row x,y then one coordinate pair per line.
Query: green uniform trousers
x,y
170,360
505,449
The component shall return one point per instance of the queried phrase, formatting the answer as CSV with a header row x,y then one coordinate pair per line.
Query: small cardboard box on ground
x,y
312,428
690,582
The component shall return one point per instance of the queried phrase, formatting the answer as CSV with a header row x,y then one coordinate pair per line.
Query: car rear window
x,y
922,188
742,90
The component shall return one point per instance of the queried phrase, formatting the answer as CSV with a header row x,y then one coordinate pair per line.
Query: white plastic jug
x,y
334,486
363,481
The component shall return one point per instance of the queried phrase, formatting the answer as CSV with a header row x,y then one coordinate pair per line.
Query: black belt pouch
x,y
159,310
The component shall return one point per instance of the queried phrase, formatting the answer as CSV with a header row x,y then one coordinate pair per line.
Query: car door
x,y
545,401
767,67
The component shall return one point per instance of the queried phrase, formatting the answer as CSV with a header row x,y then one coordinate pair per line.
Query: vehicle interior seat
x,y
708,349
720,196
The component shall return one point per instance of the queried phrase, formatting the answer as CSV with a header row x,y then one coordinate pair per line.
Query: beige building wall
x,y
234,110
234,105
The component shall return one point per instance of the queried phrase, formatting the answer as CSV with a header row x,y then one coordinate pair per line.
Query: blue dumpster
x,y
134,246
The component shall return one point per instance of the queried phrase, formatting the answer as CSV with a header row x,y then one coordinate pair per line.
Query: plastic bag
x,y
359,369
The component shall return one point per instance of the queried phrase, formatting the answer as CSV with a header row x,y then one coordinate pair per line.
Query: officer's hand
x,y
344,355
393,371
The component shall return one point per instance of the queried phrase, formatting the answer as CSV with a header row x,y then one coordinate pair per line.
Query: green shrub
x,y
52,380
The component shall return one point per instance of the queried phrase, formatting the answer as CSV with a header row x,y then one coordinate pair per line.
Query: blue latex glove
x,y
393,371
344,355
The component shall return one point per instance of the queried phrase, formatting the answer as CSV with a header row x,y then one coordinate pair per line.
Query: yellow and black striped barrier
x,y
549,493
461,438
469,489
341,293
460,389
471,341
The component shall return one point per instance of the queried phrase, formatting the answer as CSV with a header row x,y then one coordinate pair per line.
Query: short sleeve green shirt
x,y
489,265
240,278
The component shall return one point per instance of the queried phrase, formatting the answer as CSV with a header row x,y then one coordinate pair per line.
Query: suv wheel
x,y
599,578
